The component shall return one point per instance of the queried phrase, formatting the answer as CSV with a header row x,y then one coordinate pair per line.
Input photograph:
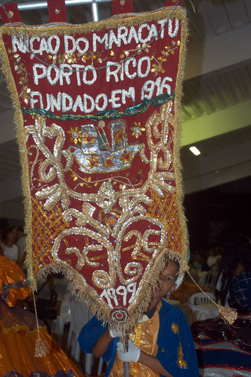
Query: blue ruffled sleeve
x,y
89,335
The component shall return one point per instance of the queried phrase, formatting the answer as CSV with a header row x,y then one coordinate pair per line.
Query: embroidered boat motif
x,y
96,155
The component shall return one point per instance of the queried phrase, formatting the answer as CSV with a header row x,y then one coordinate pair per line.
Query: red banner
x,y
98,126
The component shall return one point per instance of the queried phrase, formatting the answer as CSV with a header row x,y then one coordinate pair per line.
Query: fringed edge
x,y
128,19
228,314
177,143
144,294
89,297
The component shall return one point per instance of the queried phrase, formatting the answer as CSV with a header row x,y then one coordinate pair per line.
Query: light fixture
x,y
195,151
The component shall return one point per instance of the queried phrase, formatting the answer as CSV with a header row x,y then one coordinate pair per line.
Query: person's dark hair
x,y
237,250
175,262
7,229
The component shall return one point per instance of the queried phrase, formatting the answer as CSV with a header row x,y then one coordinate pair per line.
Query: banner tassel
x,y
41,348
228,314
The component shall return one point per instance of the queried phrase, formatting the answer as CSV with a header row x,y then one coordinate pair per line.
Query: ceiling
x,y
216,113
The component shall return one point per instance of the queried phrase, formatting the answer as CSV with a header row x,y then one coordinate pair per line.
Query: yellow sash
x,y
144,336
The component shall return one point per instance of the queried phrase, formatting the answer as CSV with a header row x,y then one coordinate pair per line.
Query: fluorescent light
x,y
195,151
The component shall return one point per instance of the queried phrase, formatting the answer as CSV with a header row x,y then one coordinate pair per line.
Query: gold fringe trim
x,y
129,19
228,314
25,328
177,143
98,307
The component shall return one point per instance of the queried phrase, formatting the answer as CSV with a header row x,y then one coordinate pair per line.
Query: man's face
x,y
166,283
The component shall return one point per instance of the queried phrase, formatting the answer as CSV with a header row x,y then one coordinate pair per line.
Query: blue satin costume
x,y
168,342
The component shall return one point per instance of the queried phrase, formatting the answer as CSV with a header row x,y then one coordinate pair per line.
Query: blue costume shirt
x,y
168,342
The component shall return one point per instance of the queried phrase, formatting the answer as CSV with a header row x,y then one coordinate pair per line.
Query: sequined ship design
x,y
96,154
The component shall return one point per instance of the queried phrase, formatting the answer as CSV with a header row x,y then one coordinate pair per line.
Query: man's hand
x,y
133,353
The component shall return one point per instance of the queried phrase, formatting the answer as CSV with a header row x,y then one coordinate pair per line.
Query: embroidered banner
x,y
98,127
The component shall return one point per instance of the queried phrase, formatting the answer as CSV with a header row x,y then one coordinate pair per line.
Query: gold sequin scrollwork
x,y
158,179
100,278
52,165
142,242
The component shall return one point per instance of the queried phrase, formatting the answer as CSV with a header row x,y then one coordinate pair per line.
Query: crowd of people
x,y
162,344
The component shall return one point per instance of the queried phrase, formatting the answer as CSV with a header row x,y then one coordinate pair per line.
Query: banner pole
x,y
126,369
126,363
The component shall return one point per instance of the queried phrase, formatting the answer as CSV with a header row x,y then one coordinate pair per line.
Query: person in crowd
x,y
234,284
19,334
214,257
21,244
222,346
204,265
197,262
160,345
10,249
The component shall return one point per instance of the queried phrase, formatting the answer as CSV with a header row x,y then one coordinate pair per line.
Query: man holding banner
x,y
97,112
160,345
